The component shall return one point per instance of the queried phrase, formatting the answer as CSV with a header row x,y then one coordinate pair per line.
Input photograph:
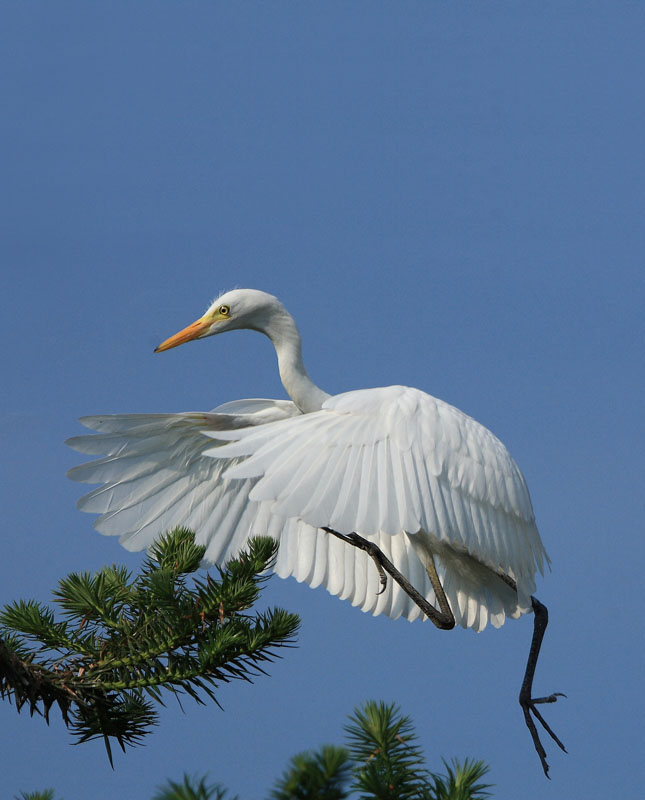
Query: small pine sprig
x,y
383,744
125,641
383,761
191,788
462,781
323,774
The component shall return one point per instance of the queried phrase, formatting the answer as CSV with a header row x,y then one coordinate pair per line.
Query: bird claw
x,y
552,698
529,707
373,552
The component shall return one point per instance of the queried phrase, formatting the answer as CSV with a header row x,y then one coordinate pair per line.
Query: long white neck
x,y
283,332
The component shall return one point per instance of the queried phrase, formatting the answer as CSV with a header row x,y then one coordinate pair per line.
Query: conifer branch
x,y
124,639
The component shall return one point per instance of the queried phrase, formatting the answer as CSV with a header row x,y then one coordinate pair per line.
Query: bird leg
x,y
528,703
369,547
443,617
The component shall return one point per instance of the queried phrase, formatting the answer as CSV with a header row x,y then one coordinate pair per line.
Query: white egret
x,y
390,475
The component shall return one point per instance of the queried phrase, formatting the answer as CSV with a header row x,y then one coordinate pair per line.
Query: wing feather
x,y
155,475
395,465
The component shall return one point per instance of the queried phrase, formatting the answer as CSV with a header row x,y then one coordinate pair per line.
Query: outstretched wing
x,y
398,462
155,475
405,470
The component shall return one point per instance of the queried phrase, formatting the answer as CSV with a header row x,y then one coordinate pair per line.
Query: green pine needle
x,y
191,789
126,640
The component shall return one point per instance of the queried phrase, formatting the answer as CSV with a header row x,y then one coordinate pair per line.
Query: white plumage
x,y
395,465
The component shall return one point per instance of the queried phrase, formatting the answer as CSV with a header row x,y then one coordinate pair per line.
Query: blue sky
x,y
445,195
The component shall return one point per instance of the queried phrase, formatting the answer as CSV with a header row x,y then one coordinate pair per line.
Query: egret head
x,y
239,308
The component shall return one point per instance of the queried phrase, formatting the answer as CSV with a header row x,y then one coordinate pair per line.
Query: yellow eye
x,y
224,311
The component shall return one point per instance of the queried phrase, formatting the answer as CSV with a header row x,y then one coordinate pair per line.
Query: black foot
x,y
442,618
529,704
369,547
529,707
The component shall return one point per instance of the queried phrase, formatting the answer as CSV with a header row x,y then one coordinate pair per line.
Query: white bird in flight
x,y
389,475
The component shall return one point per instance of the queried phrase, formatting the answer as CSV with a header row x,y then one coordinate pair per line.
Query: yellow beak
x,y
194,331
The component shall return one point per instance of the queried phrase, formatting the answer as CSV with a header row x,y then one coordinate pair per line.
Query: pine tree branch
x,y
126,637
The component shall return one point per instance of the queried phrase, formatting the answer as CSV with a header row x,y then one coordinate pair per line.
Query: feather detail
x,y
401,468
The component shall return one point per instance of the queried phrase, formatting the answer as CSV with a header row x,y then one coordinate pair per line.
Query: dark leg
x,y
528,703
442,618
445,620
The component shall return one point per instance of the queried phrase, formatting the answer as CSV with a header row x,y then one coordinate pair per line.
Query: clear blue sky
x,y
446,195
